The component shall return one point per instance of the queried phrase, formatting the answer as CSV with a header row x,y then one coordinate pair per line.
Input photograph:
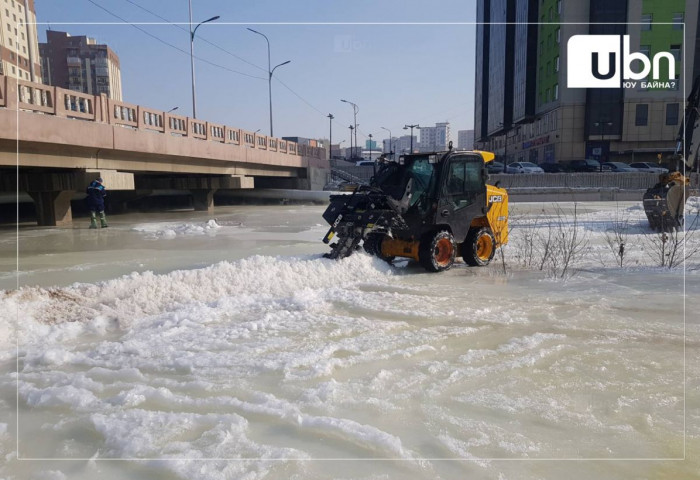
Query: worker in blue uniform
x,y
96,194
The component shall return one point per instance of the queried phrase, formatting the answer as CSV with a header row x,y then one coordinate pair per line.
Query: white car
x,y
523,167
649,167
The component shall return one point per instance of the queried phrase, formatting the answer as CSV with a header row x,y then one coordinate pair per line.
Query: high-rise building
x,y
465,139
435,139
80,64
523,108
19,43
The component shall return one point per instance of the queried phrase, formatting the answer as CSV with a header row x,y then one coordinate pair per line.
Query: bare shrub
x,y
616,236
565,245
674,248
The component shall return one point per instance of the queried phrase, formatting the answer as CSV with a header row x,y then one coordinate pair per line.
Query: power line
x,y
200,37
170,44
229,53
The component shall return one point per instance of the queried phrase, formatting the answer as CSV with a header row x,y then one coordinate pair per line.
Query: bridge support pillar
x,y
53,208
203,199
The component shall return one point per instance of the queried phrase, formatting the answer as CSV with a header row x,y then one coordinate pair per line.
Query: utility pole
x,y
330,136
192,34
270,71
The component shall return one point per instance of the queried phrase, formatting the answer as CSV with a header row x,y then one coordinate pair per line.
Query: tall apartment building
x,y
465,139
19,43
523,108
80,64
435,139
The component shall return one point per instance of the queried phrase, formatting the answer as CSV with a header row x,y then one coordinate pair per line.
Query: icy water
x,y
224,347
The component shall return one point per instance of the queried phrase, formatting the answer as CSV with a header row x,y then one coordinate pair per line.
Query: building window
x,y
556,64
558,35
676,52
672,114
641,115
556,91
559,7
678,19
546,96
549,68
647,18
9,41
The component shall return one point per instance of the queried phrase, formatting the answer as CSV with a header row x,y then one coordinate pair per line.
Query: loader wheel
x,y
479,247
373,246
437,251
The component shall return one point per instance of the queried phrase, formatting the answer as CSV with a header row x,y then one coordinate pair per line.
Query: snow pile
x,y
121,302
172,230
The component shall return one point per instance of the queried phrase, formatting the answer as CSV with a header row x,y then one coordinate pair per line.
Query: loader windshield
x,y
393,178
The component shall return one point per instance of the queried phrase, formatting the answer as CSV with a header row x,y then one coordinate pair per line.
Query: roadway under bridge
x,y
53,142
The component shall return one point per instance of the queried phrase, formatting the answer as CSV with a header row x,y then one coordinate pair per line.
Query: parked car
x,y
588,165
620,167
495,167
648,167
552,167
523,167
365,163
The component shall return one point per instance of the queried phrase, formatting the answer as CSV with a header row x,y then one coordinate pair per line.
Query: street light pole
x,y
192,33
330,136
355,109
270,71
391,150
370,146
351,150
406,127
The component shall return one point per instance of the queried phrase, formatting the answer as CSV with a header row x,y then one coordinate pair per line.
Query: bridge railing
x,y
46,99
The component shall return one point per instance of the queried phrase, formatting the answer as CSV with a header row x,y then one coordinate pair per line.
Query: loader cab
x,y
437,188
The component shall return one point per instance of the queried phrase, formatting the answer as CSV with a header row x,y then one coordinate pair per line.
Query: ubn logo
x,y
605,61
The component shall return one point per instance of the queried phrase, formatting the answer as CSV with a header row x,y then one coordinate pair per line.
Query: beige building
x,y
19,43
79,63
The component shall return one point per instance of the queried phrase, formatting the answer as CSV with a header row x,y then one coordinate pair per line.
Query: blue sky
x,y
397,74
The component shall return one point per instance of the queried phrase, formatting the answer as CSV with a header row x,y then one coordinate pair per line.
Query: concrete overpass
x,y
58,140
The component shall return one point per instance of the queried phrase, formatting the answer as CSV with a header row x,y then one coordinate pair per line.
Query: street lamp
x,y
391,150
192,33
270,72
370,146
172,109
602,139
406,127
330,136
355,109
352,153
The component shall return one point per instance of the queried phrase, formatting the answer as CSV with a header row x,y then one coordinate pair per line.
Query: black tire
x,y
373,246
479,247
436,251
